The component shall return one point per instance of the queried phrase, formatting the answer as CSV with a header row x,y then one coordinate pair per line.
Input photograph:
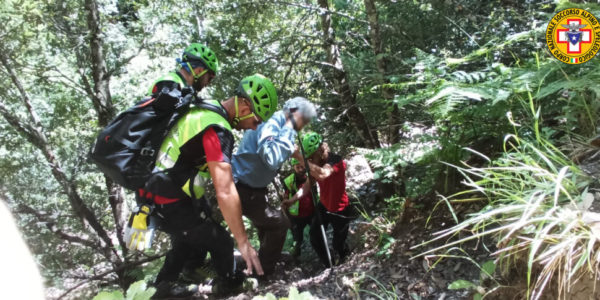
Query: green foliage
x,y
409,163
381,291
461,284
385,245
115,295
536,210
453,77
393,206
293,295
137,291
488,268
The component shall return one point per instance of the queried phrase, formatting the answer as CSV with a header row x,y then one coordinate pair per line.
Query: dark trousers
x,y
191,235
298,225
271,223
340,221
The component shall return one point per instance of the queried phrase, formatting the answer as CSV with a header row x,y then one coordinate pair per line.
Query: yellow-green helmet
x,y
261,93
311,142
199,52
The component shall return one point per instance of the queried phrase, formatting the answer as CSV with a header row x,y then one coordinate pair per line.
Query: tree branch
x,y
38,139
51,225
340,81
104,108
75,85
127,60
117,269
321,11
86,85
24,129
101,95
292,64
24,96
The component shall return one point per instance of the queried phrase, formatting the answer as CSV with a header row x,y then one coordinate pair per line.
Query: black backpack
x,y
126,149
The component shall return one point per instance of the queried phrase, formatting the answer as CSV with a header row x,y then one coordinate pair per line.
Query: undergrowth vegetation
x,y
511,130
458,101
536,210
534,198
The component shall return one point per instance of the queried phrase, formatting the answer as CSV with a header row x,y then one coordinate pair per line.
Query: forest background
x,y
433,92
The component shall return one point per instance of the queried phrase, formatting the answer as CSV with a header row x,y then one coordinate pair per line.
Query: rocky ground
x,y
373,274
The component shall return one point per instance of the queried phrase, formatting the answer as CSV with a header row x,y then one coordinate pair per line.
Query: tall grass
x,y
537,211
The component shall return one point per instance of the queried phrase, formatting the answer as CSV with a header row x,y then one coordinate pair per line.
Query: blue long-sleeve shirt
x,y
262,152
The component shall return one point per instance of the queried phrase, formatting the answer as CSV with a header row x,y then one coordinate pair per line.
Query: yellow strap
x,y
237,119
196,76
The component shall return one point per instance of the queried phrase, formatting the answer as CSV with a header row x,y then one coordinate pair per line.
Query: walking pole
x,y
314,196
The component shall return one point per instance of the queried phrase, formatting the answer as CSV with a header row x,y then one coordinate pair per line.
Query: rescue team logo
x,y
573,36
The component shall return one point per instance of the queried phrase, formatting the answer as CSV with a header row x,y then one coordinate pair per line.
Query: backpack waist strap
x,y
157,198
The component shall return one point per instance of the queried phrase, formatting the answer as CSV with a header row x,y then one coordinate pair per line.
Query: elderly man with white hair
x,y
257,161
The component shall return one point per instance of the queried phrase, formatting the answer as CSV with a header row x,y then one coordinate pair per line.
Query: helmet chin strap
x,y
196,76
237,119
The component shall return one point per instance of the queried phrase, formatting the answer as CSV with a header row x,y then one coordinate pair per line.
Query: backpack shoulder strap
x,y
214,108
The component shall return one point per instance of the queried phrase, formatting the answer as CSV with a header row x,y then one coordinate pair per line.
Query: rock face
x,y
358,172
360,182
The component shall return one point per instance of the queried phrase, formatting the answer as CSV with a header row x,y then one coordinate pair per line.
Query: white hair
x,y
301,104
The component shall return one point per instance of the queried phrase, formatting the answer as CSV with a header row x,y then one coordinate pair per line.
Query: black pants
x,y
192,235
271,223
298,225
340,221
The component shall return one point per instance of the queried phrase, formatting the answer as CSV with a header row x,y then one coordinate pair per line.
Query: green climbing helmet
x,y
311,142
294,162
261,93
196,51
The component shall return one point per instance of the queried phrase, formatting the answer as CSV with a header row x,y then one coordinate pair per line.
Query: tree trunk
x,y
101,97
102,101
340,81
381,63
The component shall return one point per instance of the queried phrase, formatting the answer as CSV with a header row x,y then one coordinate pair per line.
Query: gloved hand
x,y
139,231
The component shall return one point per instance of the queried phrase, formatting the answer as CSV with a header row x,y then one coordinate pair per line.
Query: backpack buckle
x,y
147,152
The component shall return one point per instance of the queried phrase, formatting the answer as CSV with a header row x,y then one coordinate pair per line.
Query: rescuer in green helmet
x,y
195,70
329,171
298,205
196,151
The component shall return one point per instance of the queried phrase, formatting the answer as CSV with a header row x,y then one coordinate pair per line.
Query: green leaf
x,y
477,296
461,284
488,268
115,295
295,295
145,295
137,291
415,296
268,296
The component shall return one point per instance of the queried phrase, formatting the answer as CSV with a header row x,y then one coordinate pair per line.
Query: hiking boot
x,y
197,275
174,290
236,284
